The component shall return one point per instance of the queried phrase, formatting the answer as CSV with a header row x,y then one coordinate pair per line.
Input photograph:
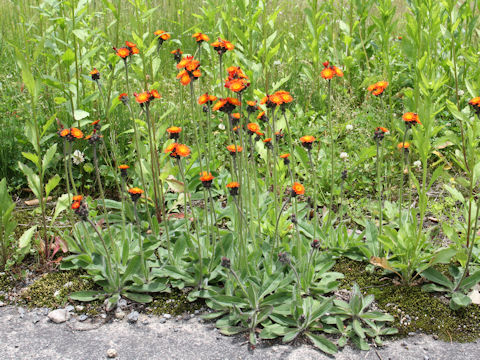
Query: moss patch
x,y
52,289
413,309
173,303
6,284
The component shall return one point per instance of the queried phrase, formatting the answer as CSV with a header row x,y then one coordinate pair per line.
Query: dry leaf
x,y
36,201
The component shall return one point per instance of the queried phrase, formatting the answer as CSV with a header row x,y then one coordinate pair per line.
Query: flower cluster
x,y
206,99
146,97
279,98
135,193
79,207
71,134
95,74
226,105
307,141
233,187
127,51
237,81
199,37
221,46
190,70
380,133
378,88
206,178
329,71
176,150
162,36
177,55
174,132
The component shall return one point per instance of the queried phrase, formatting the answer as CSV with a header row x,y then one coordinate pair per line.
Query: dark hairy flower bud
x,y
283,257
226,262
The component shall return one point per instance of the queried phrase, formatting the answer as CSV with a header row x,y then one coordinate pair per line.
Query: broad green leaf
x,y
322,343
80,114
52,184
32,157
88,295
459,300
140,298
26,239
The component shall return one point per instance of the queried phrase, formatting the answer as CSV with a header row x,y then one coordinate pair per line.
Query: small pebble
x,y
70,308
21,312
35,319
119,314
59,316
133,317
2,303
167,316
162,320
112,353
82,317
79,307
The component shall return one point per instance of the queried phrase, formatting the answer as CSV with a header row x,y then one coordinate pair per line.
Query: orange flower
x,y
234,149
184,77
262,116
65,132
226,105
123,167
221,46
123,52
130,44
174,130
177,55
206,99
199,37
378,88
402,145
134,51
327,73
307,139
385,130
253,128
236,116
142,98
123,97
135,193
76,133
297,189
76,205
237,85
233,187
205,177
475,101
190,72
284,156
267,140
77,198
286,97
162,36
189,63
338,72
276,99
154,93
410,118
95,122
95,74
171,148
182,150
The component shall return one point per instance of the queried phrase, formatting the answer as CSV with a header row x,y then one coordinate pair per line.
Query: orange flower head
x,y
253,128
267,140
123,53
262,116
95,74
338,71
142,98
170,149
372,87
154,93
123,167
184,78
95,122
130,44
327,73
383,129
199,37
135,51
297,189
307,139
402,145
182,150
221,46
76,205
206,177
135,193
382,84
233,149
237,85
77,198
236,116
475,101
284,156
174,130
276,99
233,188
286,97
76,133
411,118
65,132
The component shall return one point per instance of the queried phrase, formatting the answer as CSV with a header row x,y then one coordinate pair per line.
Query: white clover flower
x,y
349,127
461,93
221,126
417,164
78,157
343,156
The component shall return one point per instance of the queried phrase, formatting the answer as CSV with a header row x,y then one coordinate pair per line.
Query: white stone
x,y
59,316
112,353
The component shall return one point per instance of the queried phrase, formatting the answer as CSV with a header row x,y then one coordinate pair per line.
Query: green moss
x,y
6,284
413,309
173,303
52,290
